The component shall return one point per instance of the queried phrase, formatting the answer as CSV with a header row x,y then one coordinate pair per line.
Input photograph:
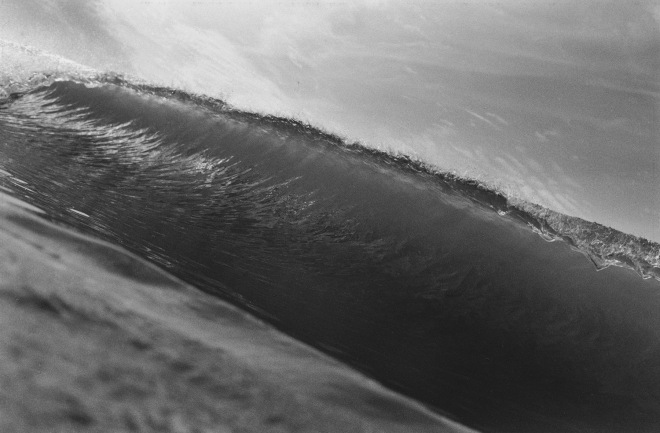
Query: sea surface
x,y
471,301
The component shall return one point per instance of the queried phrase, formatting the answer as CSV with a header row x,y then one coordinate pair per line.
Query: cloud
x,y
482,118
71,28
542,138
498,118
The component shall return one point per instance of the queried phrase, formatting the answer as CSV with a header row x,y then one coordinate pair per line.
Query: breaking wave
x,y
436,285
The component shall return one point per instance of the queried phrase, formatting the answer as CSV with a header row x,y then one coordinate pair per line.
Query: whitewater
x,y
173,258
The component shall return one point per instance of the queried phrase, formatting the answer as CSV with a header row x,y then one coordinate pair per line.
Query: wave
x,y
438,286
605,246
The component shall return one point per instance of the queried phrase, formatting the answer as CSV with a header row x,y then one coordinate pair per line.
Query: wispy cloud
x,y
498,118
482,118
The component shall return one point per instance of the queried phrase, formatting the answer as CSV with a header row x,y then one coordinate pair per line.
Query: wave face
x,y
96,339
437,287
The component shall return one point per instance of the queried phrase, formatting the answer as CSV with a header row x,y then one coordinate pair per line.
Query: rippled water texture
x,y
437,287
96,340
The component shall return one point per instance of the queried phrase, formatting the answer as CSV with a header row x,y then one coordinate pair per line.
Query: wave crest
x,y
603,245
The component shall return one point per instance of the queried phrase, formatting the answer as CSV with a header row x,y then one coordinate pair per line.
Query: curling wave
x,y
437,286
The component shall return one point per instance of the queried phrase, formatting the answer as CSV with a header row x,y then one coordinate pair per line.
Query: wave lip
x,y
603,245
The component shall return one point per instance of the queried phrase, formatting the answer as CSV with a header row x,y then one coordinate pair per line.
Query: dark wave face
x,y
434,286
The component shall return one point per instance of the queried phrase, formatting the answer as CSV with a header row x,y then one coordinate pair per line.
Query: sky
x,y
555,102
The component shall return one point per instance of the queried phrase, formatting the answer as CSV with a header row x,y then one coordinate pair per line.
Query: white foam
x,y
23,66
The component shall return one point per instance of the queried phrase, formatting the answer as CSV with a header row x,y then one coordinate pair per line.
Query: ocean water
x,y
480,292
